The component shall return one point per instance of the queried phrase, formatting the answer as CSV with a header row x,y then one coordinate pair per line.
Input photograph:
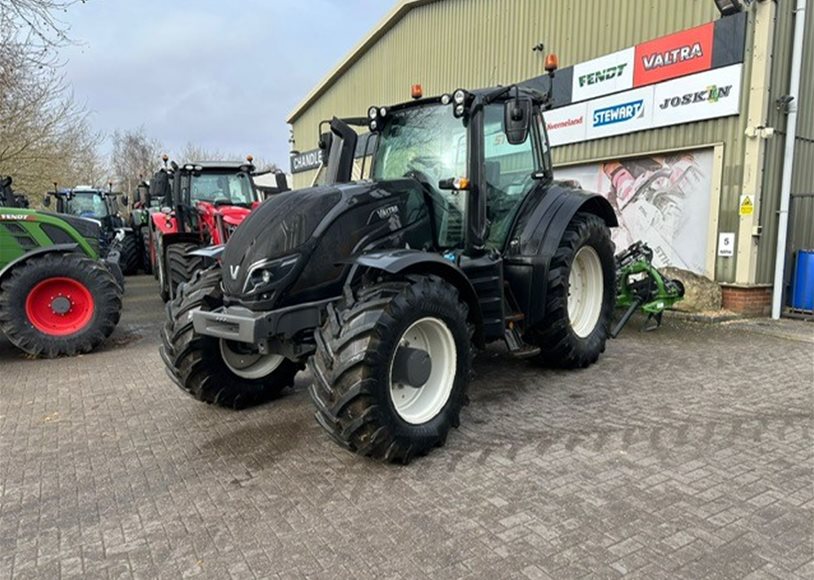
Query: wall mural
x,y
663,200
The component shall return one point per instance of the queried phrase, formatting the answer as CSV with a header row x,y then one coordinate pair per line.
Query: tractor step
x,y
518,348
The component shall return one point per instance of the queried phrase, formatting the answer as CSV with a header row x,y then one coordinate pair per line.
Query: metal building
x,y
675,109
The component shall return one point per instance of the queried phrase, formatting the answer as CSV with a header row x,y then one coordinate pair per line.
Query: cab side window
x,y
508,173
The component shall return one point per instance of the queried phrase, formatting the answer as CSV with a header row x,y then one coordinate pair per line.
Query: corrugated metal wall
x,y
801,222
474,43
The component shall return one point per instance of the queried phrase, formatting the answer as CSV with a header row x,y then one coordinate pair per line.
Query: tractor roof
x,y
214,165
524,91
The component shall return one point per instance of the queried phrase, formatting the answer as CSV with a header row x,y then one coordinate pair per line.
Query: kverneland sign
x,y
677,55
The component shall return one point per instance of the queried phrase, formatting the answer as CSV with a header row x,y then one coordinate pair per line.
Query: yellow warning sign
x,y
746,207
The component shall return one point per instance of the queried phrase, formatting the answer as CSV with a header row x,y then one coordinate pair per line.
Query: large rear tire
x,y
580,296
212,370
59,304
129,254
361,398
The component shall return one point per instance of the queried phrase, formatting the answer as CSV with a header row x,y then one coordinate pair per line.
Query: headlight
x,y
373,112
383,112
446,99
459,96
268,274
459,110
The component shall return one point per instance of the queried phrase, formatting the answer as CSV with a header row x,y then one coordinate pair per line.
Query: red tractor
x,y
202,203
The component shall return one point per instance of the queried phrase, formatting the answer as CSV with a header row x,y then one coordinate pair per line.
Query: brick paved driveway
x,y
684,453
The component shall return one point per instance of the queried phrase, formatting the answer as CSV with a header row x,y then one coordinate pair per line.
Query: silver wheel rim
x,y
420,405
251,365
586,287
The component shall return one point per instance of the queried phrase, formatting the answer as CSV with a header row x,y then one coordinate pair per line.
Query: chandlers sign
x,y
306,161
707,95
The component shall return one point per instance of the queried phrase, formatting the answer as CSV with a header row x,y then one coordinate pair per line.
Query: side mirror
x,y
282,182
517,115
46,201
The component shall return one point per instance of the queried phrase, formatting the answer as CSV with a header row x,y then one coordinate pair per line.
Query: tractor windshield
x,y
225,188
428,144
91,204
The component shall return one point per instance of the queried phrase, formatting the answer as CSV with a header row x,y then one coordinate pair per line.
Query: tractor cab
x,y
202,204
87,202
208,199
477,155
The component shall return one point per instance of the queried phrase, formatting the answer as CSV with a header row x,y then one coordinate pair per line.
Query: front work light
x,y
373,112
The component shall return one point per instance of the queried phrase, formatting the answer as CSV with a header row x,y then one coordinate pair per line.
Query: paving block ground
x,y
684,453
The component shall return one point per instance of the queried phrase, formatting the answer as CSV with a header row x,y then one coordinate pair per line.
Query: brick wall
x,y
747,300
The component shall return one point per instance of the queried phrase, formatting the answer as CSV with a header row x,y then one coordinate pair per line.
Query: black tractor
x,y
103,206
386,287
142,206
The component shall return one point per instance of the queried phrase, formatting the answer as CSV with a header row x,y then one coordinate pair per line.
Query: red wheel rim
x,y
59,306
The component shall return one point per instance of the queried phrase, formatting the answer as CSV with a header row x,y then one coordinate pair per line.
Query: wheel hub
x,y
412,366
248,363
61,305
422,371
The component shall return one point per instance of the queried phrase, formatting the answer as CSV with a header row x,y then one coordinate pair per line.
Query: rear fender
x,y
536,236
55,249
403,262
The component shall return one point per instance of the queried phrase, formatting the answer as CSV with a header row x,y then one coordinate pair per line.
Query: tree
x,y
193,152
135,157
45,135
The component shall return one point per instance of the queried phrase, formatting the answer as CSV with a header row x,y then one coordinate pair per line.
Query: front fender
x,y
56,249
404,262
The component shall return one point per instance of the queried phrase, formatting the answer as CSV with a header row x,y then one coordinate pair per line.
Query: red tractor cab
x,y
202,203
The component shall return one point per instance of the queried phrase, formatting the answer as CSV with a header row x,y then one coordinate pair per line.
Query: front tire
x,y
580,295
360,399
59,304
209,369
181,266
129,254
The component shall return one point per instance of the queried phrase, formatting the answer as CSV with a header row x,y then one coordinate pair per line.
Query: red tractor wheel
x,y
59,306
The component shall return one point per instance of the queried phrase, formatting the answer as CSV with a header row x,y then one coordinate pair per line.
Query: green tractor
x,y
103,206
56,296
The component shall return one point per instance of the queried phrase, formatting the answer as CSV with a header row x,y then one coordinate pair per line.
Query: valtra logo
x,y
674,56
677,55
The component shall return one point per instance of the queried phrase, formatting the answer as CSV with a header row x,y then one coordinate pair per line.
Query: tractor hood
x,y
234,215
308,231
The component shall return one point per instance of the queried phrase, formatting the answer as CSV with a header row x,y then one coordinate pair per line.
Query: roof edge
x,y
383,27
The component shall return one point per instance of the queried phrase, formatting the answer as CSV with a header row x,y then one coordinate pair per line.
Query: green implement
x,y
639,285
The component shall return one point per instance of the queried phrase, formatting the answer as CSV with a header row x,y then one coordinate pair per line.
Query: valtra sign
x,y
673,56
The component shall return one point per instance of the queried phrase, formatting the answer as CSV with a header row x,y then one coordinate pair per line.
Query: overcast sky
x,y
218,73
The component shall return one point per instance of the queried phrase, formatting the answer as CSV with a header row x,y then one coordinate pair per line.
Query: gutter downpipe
x,y
788,158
